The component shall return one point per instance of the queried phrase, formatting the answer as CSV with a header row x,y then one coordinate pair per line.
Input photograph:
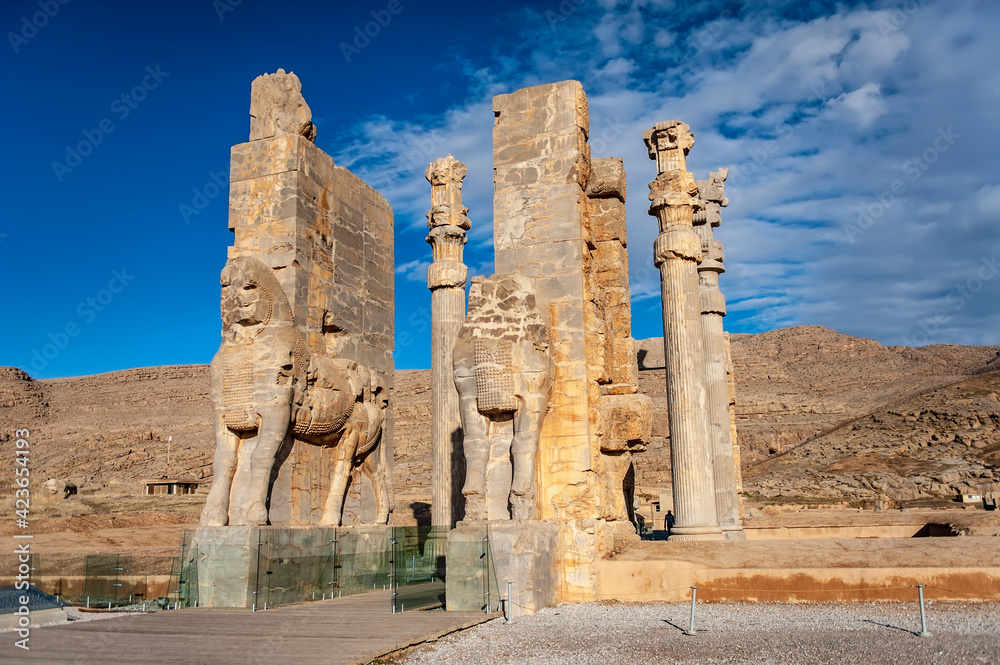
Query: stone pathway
x,y
356,629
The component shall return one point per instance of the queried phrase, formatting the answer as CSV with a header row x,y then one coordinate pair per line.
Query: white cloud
x,y
988,201
866,103
413,271
818,120
664,39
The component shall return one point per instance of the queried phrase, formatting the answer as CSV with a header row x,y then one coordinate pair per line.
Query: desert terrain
x,y
823,419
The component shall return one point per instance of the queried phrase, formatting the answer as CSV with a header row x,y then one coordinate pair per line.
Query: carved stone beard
x,y
240,327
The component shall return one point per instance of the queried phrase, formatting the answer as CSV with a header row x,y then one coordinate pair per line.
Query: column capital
x,y
447,275
712,196
445,176
669,143
448,223
673,189
445,170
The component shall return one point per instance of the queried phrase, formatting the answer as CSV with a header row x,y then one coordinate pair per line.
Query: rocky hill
x,y
107,432
935,445
795,384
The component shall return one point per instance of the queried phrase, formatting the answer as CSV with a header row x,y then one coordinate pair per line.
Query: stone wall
x,y
549,226
541,163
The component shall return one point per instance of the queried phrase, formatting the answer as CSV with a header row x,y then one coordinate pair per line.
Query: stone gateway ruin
x,y
300,384
537,414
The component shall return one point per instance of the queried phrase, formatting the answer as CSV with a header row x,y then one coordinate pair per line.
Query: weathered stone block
x,y
629,419
607,179
482,559
607,219
277,107
543,108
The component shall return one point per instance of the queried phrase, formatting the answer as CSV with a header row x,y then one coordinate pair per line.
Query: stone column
x,y
712,198
737,463
446,278
676,253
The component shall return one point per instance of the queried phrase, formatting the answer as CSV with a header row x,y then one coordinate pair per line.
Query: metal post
x,y
486,572
508,614
923,616
256,580
393,580
694,595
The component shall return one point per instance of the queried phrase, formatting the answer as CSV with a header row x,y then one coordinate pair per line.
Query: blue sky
x,y
861,137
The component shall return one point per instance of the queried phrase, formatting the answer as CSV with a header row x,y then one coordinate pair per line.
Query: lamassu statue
x,y
503,373
267,388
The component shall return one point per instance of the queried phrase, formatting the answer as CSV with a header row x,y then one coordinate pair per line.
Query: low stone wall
x,y
966,568
242,567
811,532
38,618
631,581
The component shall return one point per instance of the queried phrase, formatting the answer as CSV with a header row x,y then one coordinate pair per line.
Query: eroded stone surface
x,y
277,107
503,374
301,382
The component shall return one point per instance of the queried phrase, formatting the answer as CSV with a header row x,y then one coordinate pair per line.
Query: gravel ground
x,y
751,633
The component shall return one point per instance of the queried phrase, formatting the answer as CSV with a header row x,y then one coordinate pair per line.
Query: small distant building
x,y
658,508
970,498
170,486
990,493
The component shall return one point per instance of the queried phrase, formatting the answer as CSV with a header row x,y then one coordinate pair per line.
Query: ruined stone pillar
x,y
446,278
541,165
676,252
737,463
712,197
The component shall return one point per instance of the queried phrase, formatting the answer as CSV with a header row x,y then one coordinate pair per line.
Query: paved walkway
x,y
356,629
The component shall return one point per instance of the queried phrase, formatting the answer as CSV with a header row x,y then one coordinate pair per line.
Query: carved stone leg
x,y
499,469
477,449
524,449
375,472
216,510
340,474
256,459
